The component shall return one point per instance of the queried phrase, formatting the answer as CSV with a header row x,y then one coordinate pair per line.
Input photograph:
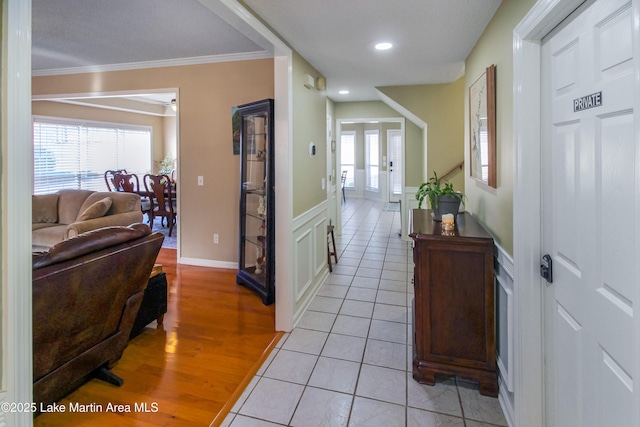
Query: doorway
x,y
154,110
356,180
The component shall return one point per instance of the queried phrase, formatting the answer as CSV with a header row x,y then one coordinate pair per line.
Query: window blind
x,y
348,156
73,154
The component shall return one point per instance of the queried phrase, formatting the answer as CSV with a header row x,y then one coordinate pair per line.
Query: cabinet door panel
x,y
457,305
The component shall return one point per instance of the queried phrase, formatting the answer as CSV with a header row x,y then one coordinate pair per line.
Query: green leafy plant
x,y
435,188
166,165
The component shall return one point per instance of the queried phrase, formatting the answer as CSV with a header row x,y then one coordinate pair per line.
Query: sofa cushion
x,y
44,208
96,210
122,201
70,204
43,237
41,225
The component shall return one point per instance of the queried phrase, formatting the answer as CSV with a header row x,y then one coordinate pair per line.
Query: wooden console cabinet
x,y
454,320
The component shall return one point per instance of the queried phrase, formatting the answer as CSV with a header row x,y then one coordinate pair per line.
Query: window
x,y
348,156
73,154
372,159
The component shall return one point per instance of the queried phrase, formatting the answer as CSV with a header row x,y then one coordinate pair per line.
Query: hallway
x,y
349,360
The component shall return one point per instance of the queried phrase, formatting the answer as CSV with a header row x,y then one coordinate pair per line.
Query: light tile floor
x,y
349,360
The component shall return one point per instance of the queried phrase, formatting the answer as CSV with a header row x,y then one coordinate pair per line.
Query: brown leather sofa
x,y
86,294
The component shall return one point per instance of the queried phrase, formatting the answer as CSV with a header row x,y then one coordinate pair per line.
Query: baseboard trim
x,y
505,402
199,262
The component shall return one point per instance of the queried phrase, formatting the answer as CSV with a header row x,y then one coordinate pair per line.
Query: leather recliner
x,y
86,294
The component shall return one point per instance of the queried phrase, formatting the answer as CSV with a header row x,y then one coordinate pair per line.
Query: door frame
x,y
17,177
345,120
527,191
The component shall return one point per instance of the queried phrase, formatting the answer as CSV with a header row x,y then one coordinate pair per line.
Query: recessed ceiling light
x,y
384,46
343,92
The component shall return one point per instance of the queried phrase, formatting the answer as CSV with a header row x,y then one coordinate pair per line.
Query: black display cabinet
x,y
256,260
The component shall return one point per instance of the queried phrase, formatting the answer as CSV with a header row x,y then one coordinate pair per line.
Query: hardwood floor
x,y
189,371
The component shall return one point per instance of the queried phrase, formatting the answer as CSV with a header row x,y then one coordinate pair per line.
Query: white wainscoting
x,y
334,199
407,202
383,188
356,192
310,268
504,330
360,179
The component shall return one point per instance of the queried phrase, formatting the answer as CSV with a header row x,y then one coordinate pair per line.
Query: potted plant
x,y
442,197
166,165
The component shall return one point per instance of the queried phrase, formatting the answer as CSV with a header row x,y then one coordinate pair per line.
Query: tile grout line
x,y
371,229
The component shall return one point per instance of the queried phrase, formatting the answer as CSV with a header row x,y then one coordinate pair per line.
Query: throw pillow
x,y
44,208
96,210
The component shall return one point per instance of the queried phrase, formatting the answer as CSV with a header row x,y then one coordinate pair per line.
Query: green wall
x,y
441,107
494,206
309,125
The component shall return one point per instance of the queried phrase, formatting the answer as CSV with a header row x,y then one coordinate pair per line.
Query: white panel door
x,y
590,170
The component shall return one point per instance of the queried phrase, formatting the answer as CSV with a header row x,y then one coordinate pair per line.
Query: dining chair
x,y
130,183
343,180
331,246
108,178
127,182
160,192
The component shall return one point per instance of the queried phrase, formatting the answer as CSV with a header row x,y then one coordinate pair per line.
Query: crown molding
x,y
177,62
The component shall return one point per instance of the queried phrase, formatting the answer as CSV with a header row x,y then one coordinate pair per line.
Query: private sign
x,y
586,102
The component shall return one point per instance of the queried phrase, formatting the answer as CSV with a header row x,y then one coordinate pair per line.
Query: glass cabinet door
x,y
256,259
255,196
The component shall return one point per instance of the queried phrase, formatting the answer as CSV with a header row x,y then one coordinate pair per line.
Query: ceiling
x,y
431,38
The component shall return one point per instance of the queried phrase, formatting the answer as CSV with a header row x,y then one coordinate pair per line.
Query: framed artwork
x,y
482,127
